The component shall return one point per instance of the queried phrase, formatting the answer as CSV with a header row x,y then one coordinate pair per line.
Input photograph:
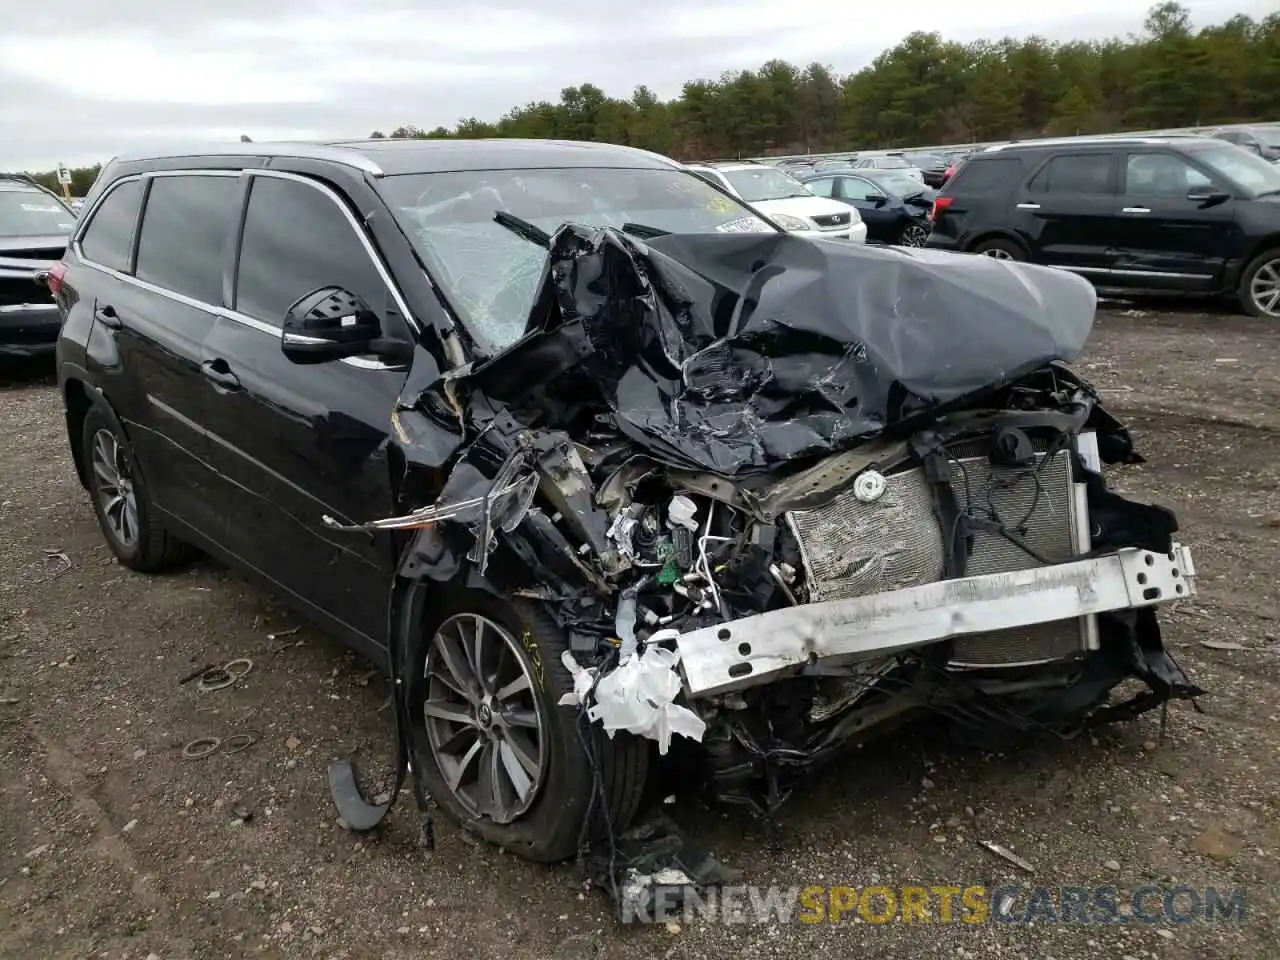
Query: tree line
x,y
925,90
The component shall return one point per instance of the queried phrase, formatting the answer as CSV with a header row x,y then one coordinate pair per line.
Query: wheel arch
x,y
998,234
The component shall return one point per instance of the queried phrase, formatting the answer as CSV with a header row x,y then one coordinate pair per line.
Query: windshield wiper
x,y
643,231
523,228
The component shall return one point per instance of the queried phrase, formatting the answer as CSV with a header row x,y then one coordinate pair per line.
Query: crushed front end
x,y
780,496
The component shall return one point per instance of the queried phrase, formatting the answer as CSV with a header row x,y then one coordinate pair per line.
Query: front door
x,y
882,217
1170,235
304,441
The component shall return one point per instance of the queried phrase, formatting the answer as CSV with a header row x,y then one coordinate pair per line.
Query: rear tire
x,y
548,826
122,501
1260,286
999,250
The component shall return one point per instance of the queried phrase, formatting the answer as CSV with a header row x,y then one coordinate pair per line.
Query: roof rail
x,y
1088,141
300,149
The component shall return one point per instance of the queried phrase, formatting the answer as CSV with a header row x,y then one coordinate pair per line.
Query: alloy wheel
x,y
914,235
484,722
113,483
1264,288
997,253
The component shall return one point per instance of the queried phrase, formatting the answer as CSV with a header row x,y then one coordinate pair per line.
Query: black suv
x,y
1150,214
541,425
34,224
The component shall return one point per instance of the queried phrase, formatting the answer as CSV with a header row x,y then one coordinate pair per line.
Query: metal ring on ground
x,y
200,747
237,674
215,678
240,741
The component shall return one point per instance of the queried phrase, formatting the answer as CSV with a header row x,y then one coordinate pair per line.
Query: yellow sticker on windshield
x,y
720,204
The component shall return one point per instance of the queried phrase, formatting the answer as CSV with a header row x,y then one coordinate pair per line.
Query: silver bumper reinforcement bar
x,y
765,647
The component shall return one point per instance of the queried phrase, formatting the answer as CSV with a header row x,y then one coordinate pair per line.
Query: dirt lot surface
x,y
112,845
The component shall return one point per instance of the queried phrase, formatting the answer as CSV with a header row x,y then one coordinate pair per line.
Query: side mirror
x,y
878,199
328,324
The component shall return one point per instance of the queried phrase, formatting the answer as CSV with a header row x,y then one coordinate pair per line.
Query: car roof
x,y
1085,143
392,157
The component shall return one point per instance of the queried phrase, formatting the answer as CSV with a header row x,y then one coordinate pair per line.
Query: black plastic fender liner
x,y
404,612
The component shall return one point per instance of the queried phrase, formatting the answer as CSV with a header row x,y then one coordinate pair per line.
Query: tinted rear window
x,y
184,234
1074,173
109,238
983,176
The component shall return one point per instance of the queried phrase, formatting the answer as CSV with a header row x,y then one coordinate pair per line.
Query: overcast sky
x,y
83,79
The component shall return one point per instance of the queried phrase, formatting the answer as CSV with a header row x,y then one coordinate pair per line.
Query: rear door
x,y
1165,238
154,308
302,441
1065,211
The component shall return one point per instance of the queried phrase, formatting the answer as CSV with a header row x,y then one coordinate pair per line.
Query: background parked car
x,y
1262,140
34,224
894,206
1138,214
889,162
785,200
932,167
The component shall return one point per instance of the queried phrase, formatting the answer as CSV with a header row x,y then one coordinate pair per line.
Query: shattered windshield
x,y
490,273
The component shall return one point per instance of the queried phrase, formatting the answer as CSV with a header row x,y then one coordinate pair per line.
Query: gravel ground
x,y
112,845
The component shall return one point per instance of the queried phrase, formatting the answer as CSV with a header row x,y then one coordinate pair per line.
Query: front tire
x,y
122,501
1260,286
495,749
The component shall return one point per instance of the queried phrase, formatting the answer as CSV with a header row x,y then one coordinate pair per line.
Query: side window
x,y
108,240
823,188
185,228
1074,173
295,241
855,188
1160,175
983,176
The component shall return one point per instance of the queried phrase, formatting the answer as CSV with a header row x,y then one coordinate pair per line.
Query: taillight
x,y
53,279
940,206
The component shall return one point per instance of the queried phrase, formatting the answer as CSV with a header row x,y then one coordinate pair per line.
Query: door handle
x,y
1028,206
1137,210
107,316
216,370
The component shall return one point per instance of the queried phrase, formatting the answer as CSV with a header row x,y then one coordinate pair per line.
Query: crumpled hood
x,y
738,353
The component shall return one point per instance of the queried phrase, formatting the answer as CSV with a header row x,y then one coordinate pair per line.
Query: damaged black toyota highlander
x,y
646,467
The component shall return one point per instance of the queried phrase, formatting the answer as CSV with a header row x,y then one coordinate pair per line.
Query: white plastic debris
x,y
681,511
637,696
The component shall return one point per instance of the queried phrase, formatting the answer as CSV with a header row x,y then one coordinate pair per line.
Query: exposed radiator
x,y
851,548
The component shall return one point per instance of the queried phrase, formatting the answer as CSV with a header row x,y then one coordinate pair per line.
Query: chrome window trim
x,y
356,226
218,310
